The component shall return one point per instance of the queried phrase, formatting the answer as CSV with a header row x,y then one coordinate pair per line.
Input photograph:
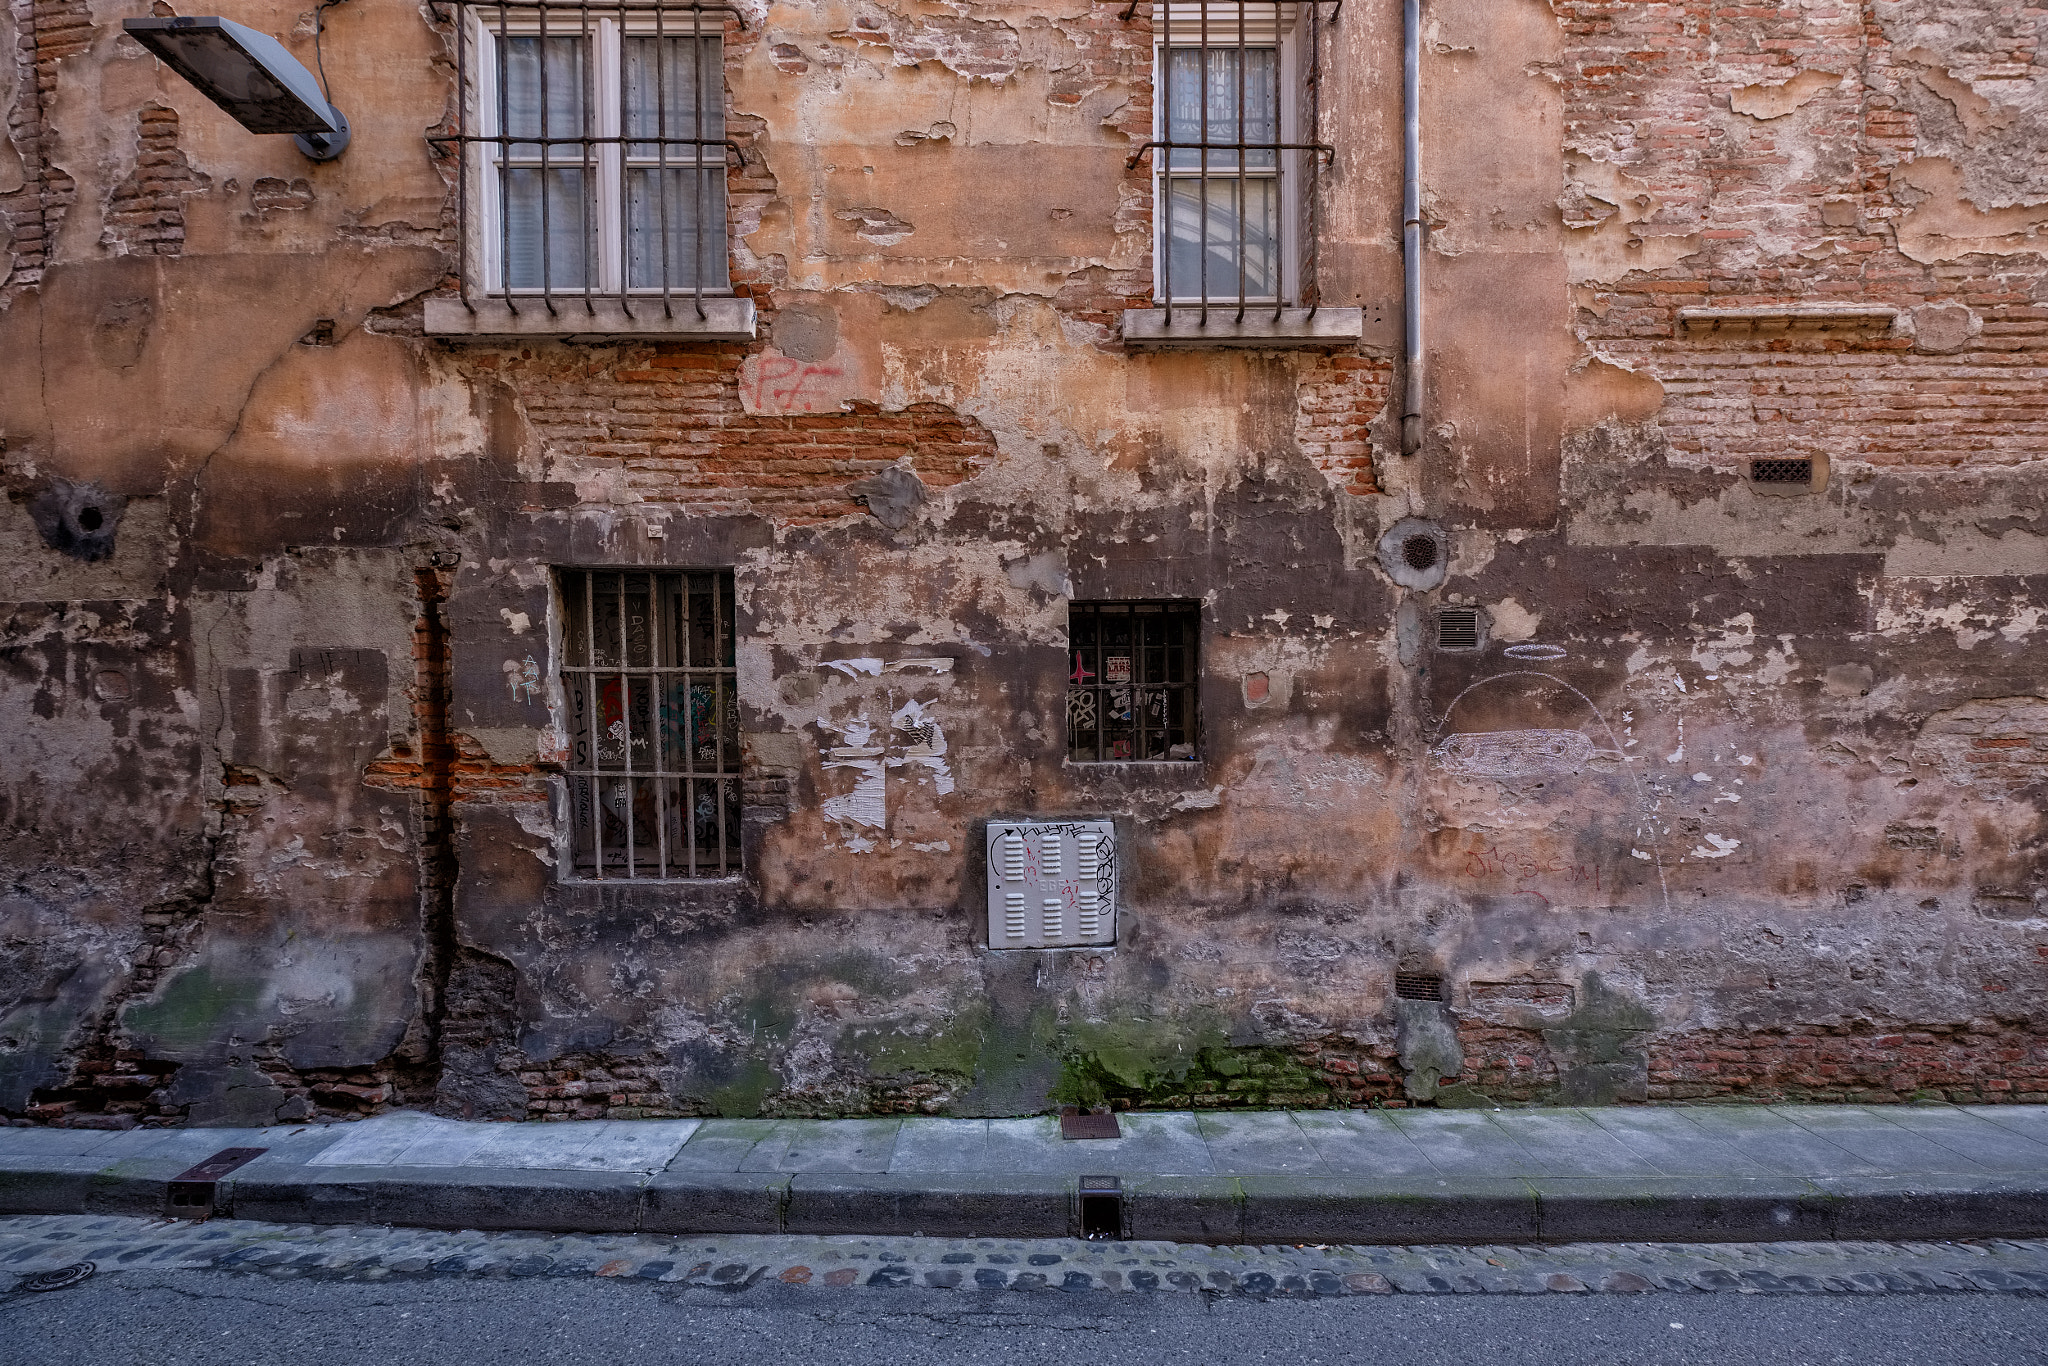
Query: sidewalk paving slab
x,y
721,1145
1444,1176
1991,1147
925,1144
1463,1142
1363,1143
2028,1121
1163,1143
825,1145
1259,1141
1672,1143
1763,1135
1569,1143
1878,1141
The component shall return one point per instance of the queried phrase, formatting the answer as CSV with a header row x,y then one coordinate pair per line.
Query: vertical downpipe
x,y
1411,222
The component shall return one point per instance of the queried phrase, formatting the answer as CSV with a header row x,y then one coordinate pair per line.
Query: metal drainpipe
x,y
1411,222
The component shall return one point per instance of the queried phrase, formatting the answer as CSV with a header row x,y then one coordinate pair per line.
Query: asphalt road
x,y
250,1319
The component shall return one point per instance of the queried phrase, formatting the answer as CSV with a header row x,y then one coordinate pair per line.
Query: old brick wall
x,y
1738,797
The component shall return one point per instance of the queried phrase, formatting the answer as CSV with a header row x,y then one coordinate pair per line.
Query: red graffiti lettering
x,y
778,384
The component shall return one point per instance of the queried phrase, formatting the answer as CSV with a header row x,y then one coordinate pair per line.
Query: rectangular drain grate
x,y
1781,471
1074,1124
191,1191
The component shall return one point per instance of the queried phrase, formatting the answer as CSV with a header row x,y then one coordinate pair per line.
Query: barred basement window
x,y
1132,691
653,720
1235,179
593,155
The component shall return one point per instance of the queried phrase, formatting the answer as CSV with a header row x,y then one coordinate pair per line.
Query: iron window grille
x,y
652,715
1132,690
593,153
1234,81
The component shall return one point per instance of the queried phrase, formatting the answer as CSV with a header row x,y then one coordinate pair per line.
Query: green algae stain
x,y
196,1010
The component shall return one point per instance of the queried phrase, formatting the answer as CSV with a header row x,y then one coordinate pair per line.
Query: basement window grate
x,y
1415,986
1131,694
1457,628
1781,471
648,679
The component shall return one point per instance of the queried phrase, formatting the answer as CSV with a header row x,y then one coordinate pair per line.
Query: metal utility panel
x,y
1051,884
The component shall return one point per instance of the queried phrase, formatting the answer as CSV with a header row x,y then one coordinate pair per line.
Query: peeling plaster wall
x,y
1740,795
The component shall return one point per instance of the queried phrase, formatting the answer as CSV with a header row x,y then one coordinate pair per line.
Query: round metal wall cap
x,y
1415,553
324,146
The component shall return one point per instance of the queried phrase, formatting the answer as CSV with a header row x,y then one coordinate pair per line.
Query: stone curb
x,y
1187,1209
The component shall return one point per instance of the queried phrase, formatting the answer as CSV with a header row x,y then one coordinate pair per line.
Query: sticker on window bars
x,y
1051,884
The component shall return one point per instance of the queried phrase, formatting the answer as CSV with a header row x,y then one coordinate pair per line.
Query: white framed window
x,y
1228,152
594,152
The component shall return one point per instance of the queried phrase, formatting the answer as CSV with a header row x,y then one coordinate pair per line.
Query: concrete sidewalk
x,y
1696,1173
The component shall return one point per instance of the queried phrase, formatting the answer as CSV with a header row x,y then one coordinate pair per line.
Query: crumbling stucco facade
x,y
1739,795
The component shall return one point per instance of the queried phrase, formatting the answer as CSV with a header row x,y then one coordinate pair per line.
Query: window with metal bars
x,y
653,723
1132,690
593,152
1237,185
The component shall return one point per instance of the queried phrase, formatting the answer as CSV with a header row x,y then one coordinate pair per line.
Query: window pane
x,y
664,242
1238,78
675,87
1250,235
524,66
570,228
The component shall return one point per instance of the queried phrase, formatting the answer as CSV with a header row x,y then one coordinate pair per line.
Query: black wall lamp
x,y
250,75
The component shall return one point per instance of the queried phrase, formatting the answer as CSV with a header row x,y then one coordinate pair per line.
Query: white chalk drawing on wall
x,y
1544,752
1514,753
523,678
1534,652
913,738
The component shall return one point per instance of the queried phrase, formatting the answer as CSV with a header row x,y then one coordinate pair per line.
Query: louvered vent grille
x,y
1457,628
1051,883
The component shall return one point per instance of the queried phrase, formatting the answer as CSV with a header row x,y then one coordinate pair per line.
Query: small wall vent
x,y
1781,471
1457,628
1415,986
1051,884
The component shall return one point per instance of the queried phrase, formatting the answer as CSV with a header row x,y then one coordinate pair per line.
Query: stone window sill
x,y
725,319
1148,329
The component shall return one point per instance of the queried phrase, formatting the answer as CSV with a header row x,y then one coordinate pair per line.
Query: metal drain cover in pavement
x,y
60,1279
1089,1126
